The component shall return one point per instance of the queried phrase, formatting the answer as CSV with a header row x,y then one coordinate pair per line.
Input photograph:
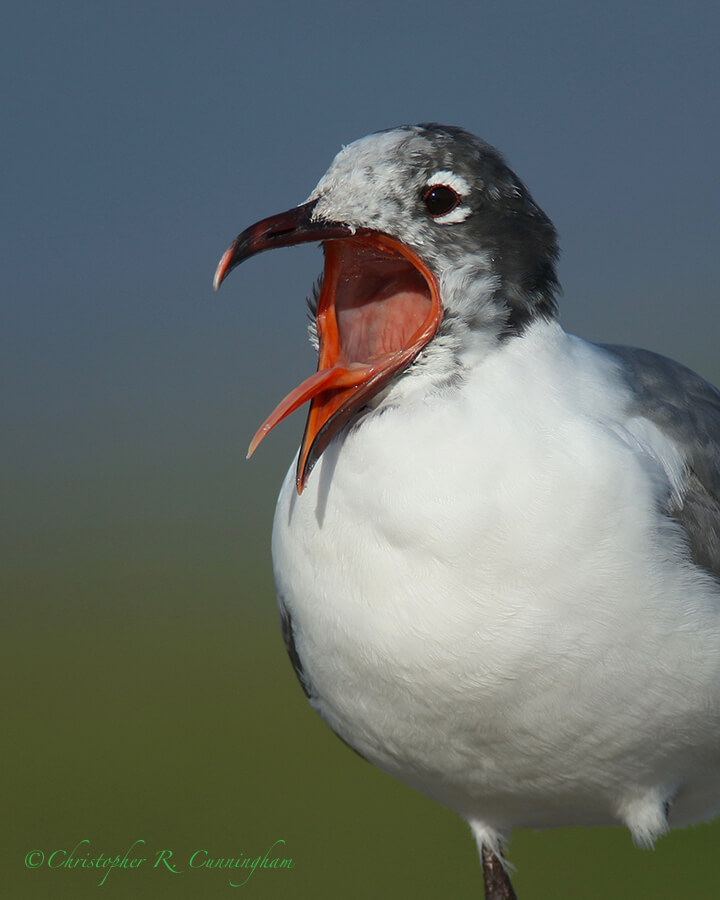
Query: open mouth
x,y
379,305
381,299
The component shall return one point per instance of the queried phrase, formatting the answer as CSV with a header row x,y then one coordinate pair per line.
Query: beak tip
x,y
223,267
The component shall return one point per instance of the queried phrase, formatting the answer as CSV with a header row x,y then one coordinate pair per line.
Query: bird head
x,y
428,236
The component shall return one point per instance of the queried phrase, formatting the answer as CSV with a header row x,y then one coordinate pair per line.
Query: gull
x,y
497,551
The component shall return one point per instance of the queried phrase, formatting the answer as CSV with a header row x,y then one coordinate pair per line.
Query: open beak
x,y
379,305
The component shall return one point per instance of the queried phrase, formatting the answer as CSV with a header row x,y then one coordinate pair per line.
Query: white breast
x,y
488,604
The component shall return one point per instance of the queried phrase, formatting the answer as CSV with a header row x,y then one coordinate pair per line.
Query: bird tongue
x,y
378,307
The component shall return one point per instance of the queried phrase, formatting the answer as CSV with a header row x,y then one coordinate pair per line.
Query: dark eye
x,y
440,199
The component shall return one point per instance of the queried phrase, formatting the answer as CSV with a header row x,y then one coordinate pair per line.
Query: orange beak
x,y
378,307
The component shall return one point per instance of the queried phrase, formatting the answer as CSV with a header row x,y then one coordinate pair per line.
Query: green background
x,y
178,720
145,689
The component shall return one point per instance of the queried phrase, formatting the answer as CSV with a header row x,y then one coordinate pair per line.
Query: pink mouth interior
x,y
378,307
381,301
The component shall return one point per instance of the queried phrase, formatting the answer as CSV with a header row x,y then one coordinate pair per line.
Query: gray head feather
x,y
503,244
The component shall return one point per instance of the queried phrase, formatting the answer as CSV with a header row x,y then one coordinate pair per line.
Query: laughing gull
x,y
497,552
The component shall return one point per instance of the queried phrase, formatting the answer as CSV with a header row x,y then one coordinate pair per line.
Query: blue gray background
x,y
147,692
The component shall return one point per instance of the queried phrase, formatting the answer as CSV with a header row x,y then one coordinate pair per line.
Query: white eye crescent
x,y
455,182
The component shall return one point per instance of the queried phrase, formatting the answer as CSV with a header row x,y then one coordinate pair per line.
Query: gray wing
x,y
687,409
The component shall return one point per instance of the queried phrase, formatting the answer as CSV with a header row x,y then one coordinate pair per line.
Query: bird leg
x,y
496,879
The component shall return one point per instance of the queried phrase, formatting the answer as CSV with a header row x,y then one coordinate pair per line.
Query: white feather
x,y
512,628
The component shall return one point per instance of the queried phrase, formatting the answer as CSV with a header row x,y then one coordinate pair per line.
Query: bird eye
x,y
440,199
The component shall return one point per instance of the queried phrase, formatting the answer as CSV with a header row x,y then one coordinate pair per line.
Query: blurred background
x,y
147,695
